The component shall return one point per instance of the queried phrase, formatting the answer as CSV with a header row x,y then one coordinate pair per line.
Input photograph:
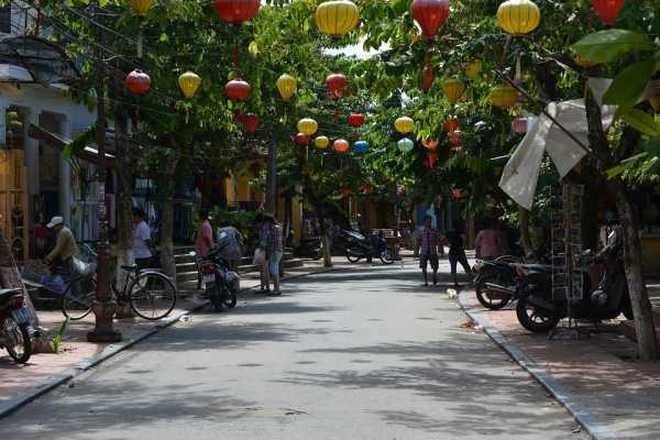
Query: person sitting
x,y
65,246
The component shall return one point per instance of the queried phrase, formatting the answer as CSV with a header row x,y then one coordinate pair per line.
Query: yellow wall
x,y
651,253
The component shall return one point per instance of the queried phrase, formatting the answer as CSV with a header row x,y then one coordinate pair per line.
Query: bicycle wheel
x,y
78,298
152,296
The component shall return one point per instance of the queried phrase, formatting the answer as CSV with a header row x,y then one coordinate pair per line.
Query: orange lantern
x,y
452,125
430,144
341,146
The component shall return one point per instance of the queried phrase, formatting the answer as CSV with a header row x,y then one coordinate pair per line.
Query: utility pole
x,y
104,305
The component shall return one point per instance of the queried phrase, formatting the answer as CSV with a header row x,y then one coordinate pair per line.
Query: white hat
x,y
54,222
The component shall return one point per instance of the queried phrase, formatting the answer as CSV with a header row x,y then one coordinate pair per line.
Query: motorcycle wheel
x,y
533,318
386,257
483,294
214,296
352,258
18,338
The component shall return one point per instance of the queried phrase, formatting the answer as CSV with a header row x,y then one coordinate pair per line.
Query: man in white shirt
x,y
141,240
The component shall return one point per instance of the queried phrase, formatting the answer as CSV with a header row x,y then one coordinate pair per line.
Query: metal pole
x,y
104,306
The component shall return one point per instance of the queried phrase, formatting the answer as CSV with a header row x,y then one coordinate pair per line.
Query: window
x,y
5,19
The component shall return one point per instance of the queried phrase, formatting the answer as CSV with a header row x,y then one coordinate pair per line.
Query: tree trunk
x,y
124,172
167,232
632,257
647,346
271,177
525,239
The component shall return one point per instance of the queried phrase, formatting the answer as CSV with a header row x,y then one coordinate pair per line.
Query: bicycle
x,y
150,293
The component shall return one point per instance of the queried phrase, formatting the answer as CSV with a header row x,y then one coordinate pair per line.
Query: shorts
x,y
274,263
424,260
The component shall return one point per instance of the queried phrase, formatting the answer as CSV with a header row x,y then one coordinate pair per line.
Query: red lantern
x,y
341,146
251,122
455,140
237,11
138,83
430,160
608,10
430,144
430,15
302,139
356,119
452,125
237,90
336,84
427,77
457,193
519,125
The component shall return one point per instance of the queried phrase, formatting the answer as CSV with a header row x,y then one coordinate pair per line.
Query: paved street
x,y
360,354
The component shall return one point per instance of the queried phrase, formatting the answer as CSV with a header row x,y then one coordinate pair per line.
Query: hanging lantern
x,y
518,17
430,160
356,120
189,83
406,145
452,124
337,18
237,11
453,89
251,122
321,142
430,15
138,83
457,193
286,85
473,69
519,125
307,126
361,147
237,90
341,146
404,125
140,7
430,144
336,84
427,77
455,140
301,139
608,10
503,97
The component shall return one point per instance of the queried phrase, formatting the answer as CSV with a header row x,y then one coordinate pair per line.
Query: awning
x,y
27,59
89,154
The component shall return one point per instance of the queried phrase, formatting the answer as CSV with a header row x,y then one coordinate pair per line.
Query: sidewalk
x,y
22,383
598,379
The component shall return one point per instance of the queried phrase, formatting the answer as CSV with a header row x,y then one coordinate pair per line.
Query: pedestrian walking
x,y
204,241
488,244
456,239
428,240
142,245
270,243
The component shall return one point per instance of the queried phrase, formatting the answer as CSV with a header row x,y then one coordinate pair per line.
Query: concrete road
x,y
365,354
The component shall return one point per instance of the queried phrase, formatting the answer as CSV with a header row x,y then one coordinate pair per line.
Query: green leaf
x,y
653,147
641,121
630,83
606,46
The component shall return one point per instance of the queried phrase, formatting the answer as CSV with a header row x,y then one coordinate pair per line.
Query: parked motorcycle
x,y
495,281
14,325
359,246
310,248
220,283
538,311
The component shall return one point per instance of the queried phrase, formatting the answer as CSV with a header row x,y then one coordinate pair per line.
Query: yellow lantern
x,y
518,17
404,125
473,69
321,142
337,17
307,126
140,7
453,89
287,86
503,97
189,83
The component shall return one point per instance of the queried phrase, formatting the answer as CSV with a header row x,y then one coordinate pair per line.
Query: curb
x,y
14,404
584,417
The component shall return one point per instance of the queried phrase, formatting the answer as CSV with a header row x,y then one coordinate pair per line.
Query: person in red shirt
x,y
204,242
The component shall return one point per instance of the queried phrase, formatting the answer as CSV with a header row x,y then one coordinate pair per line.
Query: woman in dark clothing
x,y
457,255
